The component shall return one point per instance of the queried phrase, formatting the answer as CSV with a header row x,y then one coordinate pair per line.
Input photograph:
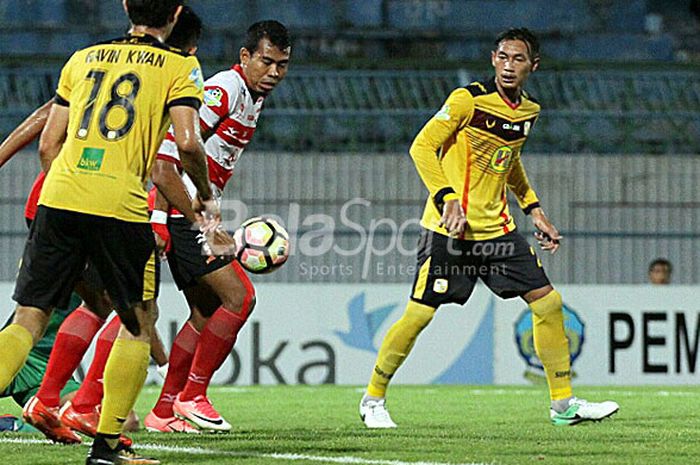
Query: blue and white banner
x,y
316,333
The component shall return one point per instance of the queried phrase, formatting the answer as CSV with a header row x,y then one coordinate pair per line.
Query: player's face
x,y
265,67
512,63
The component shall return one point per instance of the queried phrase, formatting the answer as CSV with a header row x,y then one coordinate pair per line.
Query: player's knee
x,y
241,301
419,314
547,304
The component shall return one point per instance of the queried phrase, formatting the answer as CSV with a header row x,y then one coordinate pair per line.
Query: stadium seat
x,y
34,12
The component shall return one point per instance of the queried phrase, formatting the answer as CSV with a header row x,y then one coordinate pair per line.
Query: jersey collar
x,y
254,95
144,38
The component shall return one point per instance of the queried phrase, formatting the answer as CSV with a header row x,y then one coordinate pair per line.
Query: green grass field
x,y
437,425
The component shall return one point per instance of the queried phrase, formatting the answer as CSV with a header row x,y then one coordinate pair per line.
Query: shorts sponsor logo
x,y
575,332
91,159
440,286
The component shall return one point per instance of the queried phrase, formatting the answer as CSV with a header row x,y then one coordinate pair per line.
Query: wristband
x,y
159,217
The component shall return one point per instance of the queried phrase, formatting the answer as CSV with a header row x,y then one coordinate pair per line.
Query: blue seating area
x,y
462,29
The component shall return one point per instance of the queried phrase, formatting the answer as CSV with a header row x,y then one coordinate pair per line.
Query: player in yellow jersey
x,y
114,102
468,155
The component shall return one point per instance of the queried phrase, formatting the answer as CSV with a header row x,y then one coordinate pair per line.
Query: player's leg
x,y
72,341
516,271
124,255
17,340
162,418
436,282
236,294
552,347
82,413
53,259
124,376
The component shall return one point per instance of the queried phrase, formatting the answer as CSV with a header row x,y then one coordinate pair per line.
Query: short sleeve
x,y
65,83
187,85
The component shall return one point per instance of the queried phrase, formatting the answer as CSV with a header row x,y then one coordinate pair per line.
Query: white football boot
x,y
581,410
375,414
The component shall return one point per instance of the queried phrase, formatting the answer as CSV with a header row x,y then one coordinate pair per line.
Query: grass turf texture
x,y
437,425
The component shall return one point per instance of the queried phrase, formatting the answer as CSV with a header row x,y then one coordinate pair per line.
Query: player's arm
x,y
428,143
171,190
547,234
27,131
54,135
193,158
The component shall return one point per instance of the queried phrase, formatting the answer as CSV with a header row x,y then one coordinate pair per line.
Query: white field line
x,y
274,456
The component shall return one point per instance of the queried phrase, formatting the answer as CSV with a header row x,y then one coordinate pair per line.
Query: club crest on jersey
x,y
212,97
196,77
500,160
443,114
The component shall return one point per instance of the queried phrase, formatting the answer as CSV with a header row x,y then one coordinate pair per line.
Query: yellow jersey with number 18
x,y
119,93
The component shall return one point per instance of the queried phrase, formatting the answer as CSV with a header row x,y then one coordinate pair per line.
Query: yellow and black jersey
x,y
470,150
119,93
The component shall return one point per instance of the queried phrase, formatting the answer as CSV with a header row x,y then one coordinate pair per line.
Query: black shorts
x,y
449,268
62,242
90,274
185,259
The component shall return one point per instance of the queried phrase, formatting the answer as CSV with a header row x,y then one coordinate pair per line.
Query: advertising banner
x,y
316,333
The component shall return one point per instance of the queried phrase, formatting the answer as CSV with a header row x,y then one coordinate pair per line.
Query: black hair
x,y
662,262
151,13
524,34
274,31
187,30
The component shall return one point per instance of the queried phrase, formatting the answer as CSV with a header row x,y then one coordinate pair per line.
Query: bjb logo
x,y
575,333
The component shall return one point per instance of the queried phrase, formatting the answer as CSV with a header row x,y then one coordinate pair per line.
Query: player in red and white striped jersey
x,y
218,291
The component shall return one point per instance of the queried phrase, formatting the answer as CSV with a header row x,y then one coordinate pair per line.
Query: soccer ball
x,y
262,245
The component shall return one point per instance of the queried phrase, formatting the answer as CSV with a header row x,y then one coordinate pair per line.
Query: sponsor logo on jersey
x,y
91,159
500,160
526,127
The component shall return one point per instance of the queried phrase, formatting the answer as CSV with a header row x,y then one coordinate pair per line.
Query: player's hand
x,y
160,232
162,246
219,242
208,213
453,218
547,235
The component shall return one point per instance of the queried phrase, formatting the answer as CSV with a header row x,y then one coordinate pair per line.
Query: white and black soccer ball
x,y
262,245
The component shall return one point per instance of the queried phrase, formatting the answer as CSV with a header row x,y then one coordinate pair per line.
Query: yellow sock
x,y
15,343
551,344
124,376
397,343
